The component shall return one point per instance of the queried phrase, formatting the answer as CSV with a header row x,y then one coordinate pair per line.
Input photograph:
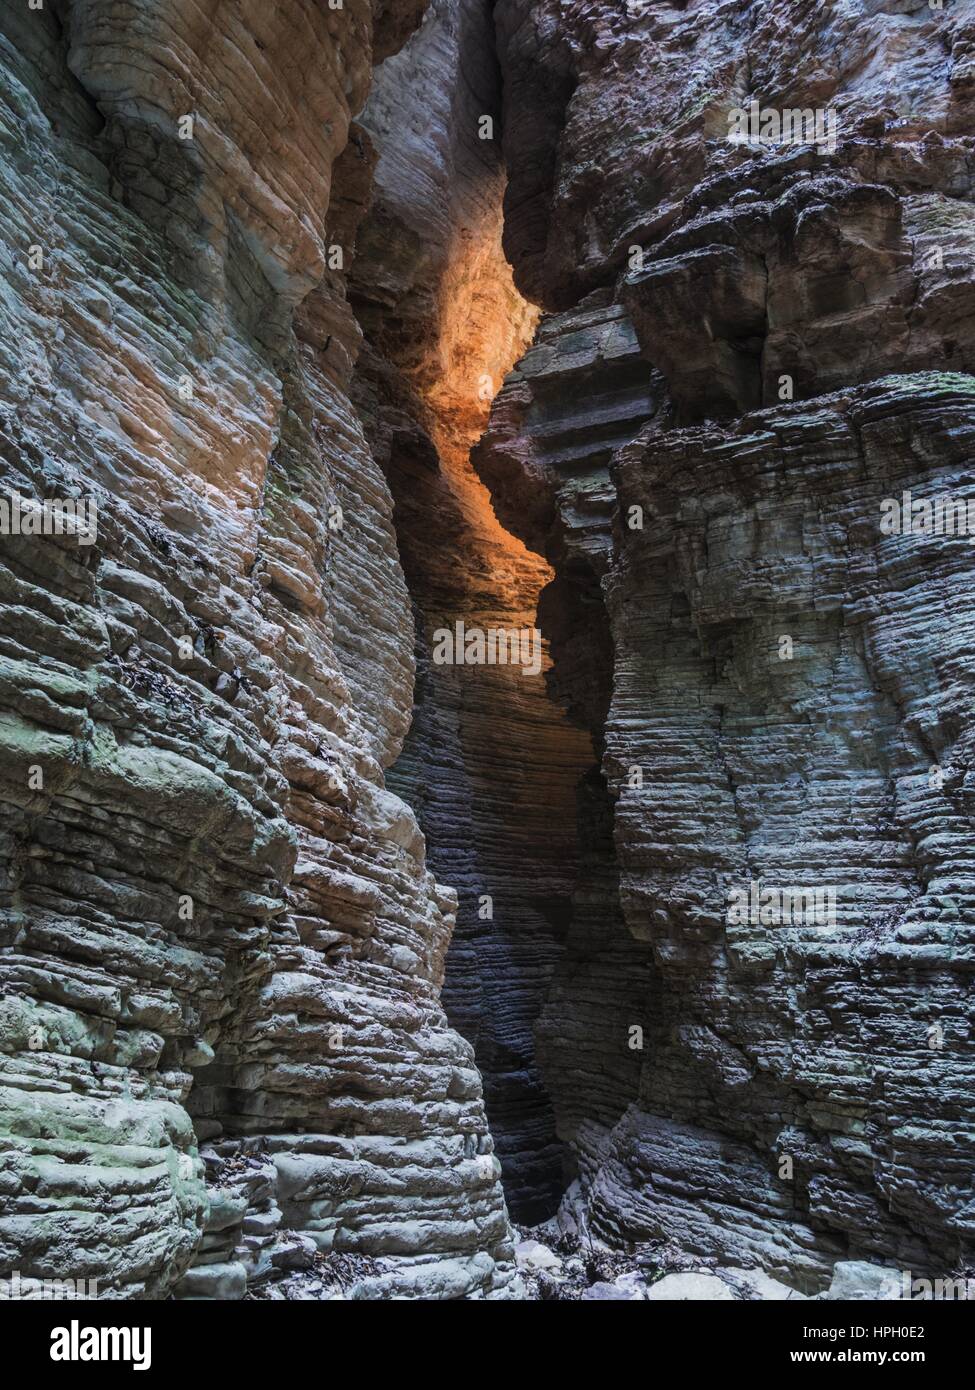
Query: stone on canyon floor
x,y
857,1279
223,1281
699,1286
572,1218
622,1290
532,1254
755,1284
293,1252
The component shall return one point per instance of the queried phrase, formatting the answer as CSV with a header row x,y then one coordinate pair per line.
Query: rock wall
x,y
748,348
491,763
264,268
221,1040
766,632
581,391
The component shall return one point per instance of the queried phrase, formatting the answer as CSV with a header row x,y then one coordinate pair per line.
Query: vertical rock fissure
x,y
577,395
222,1049
799,1083
491,764
502,764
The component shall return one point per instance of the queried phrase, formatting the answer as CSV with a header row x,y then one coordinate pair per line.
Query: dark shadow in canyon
x,y
504,780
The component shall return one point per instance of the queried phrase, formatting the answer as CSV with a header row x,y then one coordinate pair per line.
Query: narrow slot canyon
x,y
483,765
492,765
630,961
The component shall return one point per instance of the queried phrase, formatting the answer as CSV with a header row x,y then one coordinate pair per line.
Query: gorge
x,y
329,968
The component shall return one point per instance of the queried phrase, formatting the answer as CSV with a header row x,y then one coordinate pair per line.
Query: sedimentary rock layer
x,y
710,859
786,701
793,685
218,926
491,762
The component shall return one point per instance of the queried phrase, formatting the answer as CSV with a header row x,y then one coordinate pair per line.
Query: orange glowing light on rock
x,y
485,326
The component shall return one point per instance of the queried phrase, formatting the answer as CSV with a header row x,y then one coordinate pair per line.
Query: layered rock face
x,y
767,632
222,1043
753,348
491,762
705,851
581,391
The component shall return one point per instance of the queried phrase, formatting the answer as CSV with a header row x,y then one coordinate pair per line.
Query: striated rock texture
x,y
787,688
221,1043
581,391
491,762
264,268
747,349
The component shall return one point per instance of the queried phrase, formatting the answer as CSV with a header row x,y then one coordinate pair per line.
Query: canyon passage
x,y
487,720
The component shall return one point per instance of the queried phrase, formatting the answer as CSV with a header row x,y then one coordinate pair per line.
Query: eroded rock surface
x,y
218,924
831,679
749,347
255,306
491,762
